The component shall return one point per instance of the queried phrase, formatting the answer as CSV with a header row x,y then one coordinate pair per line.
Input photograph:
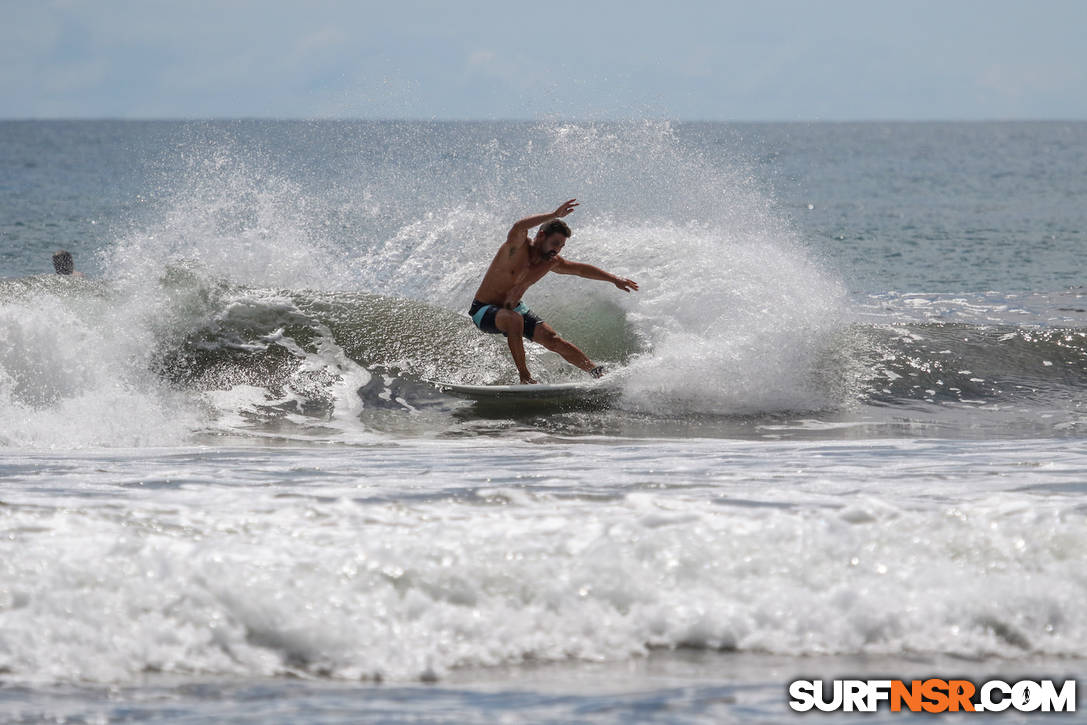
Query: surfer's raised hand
x,y
626,284
566,207
520,229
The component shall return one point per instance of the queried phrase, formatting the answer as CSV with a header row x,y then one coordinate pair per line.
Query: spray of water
x,y
734,312
732,317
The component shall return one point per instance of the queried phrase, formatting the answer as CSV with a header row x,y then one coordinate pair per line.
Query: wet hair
x,y
553,226
63,263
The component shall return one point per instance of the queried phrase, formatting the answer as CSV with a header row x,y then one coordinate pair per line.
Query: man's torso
x,y
510,274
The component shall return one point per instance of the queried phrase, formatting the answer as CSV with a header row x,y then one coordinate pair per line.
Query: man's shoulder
x,y
516,237
514,246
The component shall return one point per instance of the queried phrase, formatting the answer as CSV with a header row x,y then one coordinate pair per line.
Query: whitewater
x,y
847,436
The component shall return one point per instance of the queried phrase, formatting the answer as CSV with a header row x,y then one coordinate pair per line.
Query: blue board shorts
x,y
483,315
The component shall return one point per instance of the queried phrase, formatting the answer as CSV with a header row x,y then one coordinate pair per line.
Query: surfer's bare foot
x,y
597,372
528,380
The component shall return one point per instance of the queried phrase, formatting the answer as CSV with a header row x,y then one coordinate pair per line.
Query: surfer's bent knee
x,y
515,322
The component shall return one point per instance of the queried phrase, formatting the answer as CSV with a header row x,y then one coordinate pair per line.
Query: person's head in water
x,y
63,263
551,238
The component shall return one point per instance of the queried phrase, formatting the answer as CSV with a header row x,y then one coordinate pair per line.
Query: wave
x,y
940,362
260,336
460,574
90,366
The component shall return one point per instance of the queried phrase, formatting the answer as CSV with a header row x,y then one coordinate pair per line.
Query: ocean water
x,y
847,438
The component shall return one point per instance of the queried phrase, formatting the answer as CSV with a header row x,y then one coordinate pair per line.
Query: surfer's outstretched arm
x,y
588,271
520,228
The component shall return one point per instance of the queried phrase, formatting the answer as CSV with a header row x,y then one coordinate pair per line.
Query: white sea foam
x,y
409,561
73,372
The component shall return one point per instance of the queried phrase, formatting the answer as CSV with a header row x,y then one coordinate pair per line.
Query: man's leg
x,y
513,325
546,336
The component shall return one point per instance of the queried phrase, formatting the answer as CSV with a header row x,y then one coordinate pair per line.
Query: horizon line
x,y
415,119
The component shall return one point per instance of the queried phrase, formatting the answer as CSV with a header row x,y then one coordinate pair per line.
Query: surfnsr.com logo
x,y
932,695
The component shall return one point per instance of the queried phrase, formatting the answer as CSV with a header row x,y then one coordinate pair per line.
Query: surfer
x,y
520,263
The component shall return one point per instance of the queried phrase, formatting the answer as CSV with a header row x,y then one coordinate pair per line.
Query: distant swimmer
x,y
521,263
64,264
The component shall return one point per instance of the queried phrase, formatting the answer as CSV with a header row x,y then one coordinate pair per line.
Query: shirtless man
x,y
521,263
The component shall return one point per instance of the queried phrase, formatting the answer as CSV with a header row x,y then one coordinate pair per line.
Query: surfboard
x,y
540,391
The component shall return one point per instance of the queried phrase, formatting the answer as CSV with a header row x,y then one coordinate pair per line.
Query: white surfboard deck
x,y
539,391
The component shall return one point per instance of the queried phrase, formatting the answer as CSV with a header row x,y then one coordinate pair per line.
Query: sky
x,y
756,60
